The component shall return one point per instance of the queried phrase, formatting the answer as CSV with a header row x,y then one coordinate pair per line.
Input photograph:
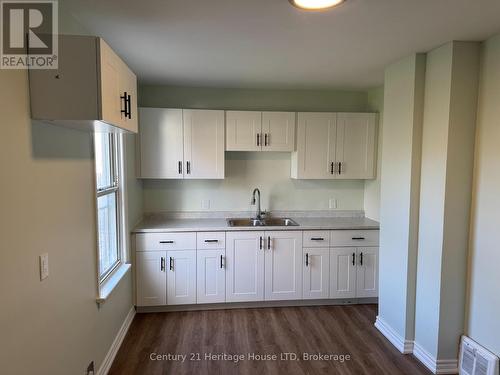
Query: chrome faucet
x,y
259,212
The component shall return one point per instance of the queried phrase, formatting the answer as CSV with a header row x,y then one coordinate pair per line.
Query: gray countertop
x,y
155,224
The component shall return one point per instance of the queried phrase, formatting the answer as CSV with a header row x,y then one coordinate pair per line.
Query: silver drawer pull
x,y
317,239
210,241
358,238
166,242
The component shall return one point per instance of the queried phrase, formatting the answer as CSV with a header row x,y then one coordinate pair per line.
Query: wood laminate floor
x,y
330,330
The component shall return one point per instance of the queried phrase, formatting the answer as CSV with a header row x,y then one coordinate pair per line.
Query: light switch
x,y
205,204
44,266
333,204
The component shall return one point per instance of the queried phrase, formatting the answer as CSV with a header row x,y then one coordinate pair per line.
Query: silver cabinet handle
x,y
171,265
164,242
353,259
211,241
180,167
307,260
188,167
260,242
162,264
221,262
258,139
360,259
317,239
266,136
269,243
340,167
332,168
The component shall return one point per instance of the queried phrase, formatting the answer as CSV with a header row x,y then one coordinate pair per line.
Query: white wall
x,y
484,297
372,187
47,200
446,178
401,139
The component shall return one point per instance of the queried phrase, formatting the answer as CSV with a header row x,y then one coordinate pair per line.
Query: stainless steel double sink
x,y
269,222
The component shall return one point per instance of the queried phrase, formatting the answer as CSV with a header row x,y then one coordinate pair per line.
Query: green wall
x,y
246,99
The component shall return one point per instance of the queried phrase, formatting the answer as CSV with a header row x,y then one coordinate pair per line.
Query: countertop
x,y
159,224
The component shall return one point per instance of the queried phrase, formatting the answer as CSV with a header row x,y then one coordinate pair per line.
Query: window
x,y
108,167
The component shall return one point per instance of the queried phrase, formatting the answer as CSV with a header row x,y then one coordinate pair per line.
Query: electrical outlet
x,y
333,203
44,266
205,204
90,369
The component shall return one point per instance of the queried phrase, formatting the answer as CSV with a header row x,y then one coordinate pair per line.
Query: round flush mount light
x,y
315,4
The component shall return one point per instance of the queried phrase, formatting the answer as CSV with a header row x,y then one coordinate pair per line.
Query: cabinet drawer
x,y
316,238
210,240
165,241
354,238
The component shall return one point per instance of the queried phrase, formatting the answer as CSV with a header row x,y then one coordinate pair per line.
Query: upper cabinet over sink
x,y
92,89
181,144
260,131
335,146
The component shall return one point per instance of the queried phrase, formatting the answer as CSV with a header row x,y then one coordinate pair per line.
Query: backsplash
x,y
270,172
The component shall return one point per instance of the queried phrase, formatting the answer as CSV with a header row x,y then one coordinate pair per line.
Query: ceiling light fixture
x,y
315,4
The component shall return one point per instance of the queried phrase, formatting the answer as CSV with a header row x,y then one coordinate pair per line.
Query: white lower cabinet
x,y
244,266
181,277
151,278
354,272
252,266
367,272
342,272
316,273
283,265
211,276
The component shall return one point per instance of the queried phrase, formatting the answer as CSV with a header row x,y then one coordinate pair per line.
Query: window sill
x,y
107,287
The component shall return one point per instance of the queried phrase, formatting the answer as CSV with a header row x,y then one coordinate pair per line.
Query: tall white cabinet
x,y
181,144
260,131
335,146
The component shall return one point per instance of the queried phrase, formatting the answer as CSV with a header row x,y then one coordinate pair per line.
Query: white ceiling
x,y
270,44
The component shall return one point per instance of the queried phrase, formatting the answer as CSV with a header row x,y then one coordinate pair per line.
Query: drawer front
x,y
165,241
210,240
354,238
316,238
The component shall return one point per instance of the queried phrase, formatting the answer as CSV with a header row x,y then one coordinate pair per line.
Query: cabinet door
x,y
161,143
342,272
356,133
367,272
242,130
203,144
151,278
278,129
316,273
211,276
244,266
316,134
283,265
128,84
111,101
181,277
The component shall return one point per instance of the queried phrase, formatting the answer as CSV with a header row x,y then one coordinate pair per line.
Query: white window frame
x,y
110,279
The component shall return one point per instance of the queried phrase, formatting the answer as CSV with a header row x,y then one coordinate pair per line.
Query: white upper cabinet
x,y
203,144
278,129
260,131
161,143
177,144
91,89
355,153
335,146
243,130
316,134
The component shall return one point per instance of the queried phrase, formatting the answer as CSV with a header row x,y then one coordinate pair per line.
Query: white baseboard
x,y
404,346
115,346
437,366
